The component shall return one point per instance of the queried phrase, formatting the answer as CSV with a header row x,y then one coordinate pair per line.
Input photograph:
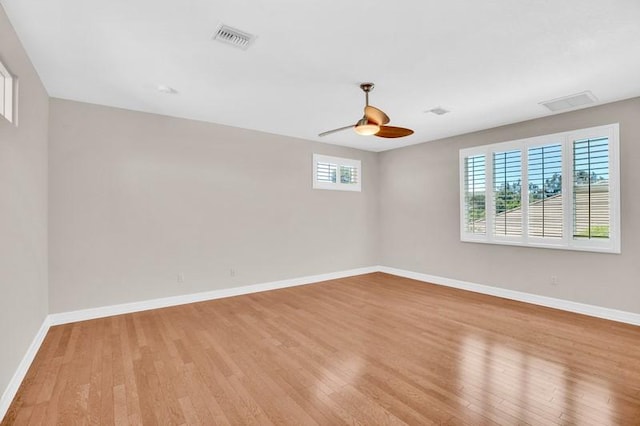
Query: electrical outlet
x,y
181,277
553,279
232,272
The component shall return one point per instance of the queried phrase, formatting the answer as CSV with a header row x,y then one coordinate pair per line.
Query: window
x,y
341,174
6,93
556,191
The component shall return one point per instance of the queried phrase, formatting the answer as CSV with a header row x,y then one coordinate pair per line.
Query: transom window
x,y
556,191
343,174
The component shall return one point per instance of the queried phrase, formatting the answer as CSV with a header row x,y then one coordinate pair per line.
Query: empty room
x,y
319,213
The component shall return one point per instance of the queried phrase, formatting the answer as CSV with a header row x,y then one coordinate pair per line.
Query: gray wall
x,y
419,218
23,210
138,198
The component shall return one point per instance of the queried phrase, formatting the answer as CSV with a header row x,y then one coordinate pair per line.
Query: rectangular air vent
x,y
234,37
570,102
438,111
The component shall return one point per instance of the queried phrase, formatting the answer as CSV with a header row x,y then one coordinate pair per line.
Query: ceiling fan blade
x,y
393,132
376,115
328,132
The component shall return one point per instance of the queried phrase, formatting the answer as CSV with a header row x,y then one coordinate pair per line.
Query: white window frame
x,y
567,242
7,98
337,186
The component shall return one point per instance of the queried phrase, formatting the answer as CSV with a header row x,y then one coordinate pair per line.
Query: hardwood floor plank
x,y
372,349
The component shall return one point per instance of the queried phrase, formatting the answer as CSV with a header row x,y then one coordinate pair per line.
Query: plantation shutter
x,y
348,174
474,193
591,188
545,191
507,193
326,172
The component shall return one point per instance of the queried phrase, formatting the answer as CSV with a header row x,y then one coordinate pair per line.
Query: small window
x,y
555,191
342,174
6,93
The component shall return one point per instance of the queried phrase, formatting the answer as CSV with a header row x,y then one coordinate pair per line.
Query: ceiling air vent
x,y
438,111
234,37
570,102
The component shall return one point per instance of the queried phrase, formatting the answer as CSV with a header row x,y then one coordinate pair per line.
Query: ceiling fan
x,y
373,122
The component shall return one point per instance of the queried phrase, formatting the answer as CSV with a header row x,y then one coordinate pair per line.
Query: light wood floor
x,y
374,349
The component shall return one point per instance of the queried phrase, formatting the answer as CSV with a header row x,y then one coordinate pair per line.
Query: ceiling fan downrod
x,y
366,88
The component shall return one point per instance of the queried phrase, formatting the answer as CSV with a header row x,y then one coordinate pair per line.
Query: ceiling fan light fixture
x,y
374,122
364,128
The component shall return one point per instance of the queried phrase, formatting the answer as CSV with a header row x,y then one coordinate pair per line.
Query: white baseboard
x,y
11,389
550,302
126,308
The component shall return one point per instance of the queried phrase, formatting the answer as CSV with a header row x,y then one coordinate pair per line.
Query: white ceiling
x,y
490,62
